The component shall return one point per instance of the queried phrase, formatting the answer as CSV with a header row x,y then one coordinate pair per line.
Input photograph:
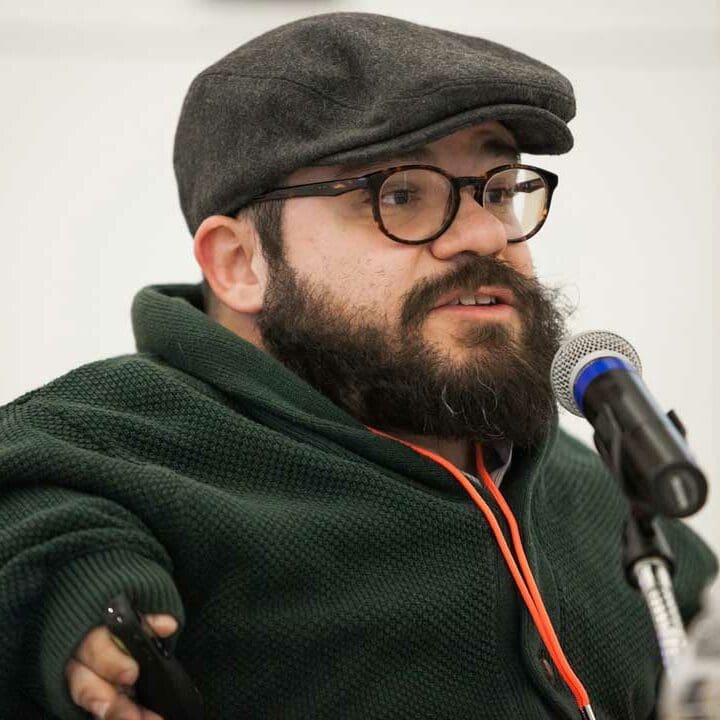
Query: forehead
x,y
486,140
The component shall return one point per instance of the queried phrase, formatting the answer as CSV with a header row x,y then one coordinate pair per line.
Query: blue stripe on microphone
x,y
594,369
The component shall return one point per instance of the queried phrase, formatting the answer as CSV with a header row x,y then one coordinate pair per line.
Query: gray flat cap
x,y
351,87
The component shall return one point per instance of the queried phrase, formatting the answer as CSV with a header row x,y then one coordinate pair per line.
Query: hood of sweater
x,y
170,324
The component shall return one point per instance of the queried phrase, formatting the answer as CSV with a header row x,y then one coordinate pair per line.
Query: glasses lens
x,y
518,198
414,203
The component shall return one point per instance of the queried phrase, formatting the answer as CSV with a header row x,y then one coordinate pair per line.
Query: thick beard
x,y
396,381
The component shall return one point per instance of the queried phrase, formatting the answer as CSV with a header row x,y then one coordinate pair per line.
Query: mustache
x,y
468,276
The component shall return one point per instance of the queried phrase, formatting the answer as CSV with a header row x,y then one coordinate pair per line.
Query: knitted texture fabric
x,y
318,570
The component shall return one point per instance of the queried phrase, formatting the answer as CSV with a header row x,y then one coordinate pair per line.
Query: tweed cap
x,y
342,88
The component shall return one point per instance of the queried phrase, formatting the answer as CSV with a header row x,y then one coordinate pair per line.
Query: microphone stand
x,y
649,567
647,557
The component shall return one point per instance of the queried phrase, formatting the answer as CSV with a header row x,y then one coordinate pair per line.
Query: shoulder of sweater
x,y
576,471
108,406
573,455
573,473
117,382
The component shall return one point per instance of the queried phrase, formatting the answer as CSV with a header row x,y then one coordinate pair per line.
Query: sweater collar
x,y
170,324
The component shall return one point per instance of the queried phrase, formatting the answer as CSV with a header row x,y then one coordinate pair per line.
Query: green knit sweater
x,y
319,571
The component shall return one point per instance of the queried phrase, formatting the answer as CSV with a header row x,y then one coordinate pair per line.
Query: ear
x,y
229,253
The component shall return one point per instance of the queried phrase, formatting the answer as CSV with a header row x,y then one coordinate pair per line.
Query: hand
x,y
100,675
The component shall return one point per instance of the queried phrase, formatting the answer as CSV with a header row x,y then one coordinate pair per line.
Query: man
x,y
301,469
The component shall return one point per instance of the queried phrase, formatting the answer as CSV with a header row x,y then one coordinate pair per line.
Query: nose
x,y
473,229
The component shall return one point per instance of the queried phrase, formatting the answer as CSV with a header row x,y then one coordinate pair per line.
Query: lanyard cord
x,y
524,580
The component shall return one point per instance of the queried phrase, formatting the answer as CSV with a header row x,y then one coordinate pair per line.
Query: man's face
x,y
366,319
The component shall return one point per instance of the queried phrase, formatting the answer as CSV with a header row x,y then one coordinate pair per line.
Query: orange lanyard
x,y
522,576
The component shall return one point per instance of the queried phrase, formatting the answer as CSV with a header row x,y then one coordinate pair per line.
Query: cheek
x,y
519,257
356,263
365,283
315,243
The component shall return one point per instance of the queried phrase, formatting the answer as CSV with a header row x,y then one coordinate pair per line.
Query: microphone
x,y
596,375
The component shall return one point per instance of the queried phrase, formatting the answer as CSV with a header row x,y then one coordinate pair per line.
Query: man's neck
x,y
460,453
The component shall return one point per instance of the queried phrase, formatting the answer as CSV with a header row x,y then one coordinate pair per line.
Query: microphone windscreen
x,y
577,352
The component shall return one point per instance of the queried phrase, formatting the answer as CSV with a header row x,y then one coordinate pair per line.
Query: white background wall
x,y
91,92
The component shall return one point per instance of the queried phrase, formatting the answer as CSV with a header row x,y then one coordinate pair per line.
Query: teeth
x,y
484,300
475,300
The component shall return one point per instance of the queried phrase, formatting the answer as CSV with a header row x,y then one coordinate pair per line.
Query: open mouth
x,y
474,300
484,297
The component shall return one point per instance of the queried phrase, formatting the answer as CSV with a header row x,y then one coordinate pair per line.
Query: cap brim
x,y
536,130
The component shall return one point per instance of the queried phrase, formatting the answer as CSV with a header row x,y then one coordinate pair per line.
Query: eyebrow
x,y
492,147
495,147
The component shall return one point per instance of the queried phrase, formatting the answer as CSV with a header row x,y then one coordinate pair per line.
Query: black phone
x,y
162,686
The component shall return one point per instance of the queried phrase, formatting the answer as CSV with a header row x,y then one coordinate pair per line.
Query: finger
x,y
162,625
124,709
121,709
97,696
150,715
99,652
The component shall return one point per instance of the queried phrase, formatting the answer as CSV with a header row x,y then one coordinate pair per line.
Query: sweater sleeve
x,y
64,551
696,566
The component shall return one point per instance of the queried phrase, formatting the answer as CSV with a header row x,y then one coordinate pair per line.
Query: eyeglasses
x,y
415,204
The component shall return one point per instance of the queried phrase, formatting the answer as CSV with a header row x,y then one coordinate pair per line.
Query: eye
x,y
499,195
399,196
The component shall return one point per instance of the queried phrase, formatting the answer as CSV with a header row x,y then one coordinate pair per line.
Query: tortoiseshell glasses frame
x,y
375,180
